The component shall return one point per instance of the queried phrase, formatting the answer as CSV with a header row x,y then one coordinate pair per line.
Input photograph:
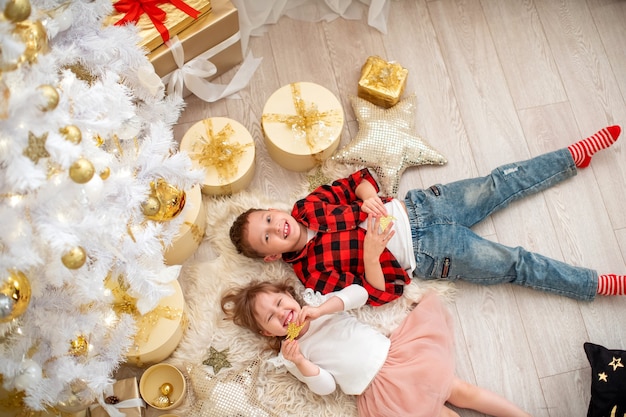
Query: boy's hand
x,y
376,240
374,206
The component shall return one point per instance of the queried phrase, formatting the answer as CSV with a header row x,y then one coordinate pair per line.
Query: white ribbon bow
x,y
193,74
112,409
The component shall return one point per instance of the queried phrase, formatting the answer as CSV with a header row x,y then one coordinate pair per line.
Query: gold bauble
x,y
166,388
151,206
104,174
17,10
51,96
72,134
34,36
74,258
171,201
75,397
15,294
162,401
79,346
82,171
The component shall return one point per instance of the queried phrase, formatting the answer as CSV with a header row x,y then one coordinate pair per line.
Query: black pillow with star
x,y
608,381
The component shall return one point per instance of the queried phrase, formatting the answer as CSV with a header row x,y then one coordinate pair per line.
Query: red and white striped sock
x,y
612,284
583,150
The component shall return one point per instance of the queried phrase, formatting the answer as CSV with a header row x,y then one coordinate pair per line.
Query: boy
x,y
334,238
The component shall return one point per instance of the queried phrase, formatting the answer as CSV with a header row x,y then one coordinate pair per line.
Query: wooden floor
x,y
496,81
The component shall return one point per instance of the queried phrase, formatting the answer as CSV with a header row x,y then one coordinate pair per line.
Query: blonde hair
x,y
238,305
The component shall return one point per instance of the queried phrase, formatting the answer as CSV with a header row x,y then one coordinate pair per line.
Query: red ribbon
x,y
134,9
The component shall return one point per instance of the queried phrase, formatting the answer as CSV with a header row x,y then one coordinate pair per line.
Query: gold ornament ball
x,y
162,401
74,258
17,10
51,96
166,388
171,201
75,397
34,36
14,287
151,206
79,346
72,134
82,171
104,174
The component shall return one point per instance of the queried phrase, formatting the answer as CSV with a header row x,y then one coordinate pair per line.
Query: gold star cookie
x,y
293,330
385,220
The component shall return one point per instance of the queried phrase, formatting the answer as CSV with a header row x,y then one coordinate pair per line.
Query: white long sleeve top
x,y
348,352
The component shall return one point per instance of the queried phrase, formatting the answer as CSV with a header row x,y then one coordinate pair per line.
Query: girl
x,y
409,373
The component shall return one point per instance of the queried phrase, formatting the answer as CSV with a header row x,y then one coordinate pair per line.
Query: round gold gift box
x,y
191,231
153,379
166,334
215,183
289,146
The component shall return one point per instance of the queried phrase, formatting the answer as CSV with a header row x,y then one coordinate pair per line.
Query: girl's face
x,y
274,311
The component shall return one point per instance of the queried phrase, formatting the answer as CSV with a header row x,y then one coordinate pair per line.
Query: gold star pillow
x,y
232,394
387,143
608,381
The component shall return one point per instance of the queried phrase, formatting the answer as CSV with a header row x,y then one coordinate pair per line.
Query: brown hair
x,y
238,305
239,233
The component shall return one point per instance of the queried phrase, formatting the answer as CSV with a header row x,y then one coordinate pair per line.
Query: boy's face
x,y
274,232
274,311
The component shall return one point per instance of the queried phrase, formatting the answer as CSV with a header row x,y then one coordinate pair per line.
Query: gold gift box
x,y
176,21
165,334
206,32
191,232
231,174
382,82
124,389
302,124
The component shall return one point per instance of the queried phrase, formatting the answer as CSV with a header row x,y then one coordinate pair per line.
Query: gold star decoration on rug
x,y
230,395
317,178
217,359
36,148
386,142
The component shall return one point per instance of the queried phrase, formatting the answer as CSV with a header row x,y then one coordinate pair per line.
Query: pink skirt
x,y
416,378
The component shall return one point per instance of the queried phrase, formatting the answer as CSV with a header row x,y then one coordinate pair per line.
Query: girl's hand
x,y
374,206
291,351
308,313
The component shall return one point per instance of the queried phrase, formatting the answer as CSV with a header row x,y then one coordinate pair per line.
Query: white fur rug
x,y
215,267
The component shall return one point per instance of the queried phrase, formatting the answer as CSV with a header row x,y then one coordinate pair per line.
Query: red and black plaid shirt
x,y
333,259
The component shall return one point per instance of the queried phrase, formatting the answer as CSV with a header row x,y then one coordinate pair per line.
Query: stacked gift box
x,y
207,30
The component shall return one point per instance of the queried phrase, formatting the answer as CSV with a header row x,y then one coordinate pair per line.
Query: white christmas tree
x,y
85,138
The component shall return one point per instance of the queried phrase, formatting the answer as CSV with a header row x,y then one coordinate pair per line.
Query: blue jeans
x,y
446,248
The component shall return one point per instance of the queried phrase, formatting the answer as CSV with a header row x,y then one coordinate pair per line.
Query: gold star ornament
x,y
36,148
233,394
387,143
217,359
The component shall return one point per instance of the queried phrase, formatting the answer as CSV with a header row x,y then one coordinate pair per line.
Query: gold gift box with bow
x,y
382,82
176,20
124,389
220,27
